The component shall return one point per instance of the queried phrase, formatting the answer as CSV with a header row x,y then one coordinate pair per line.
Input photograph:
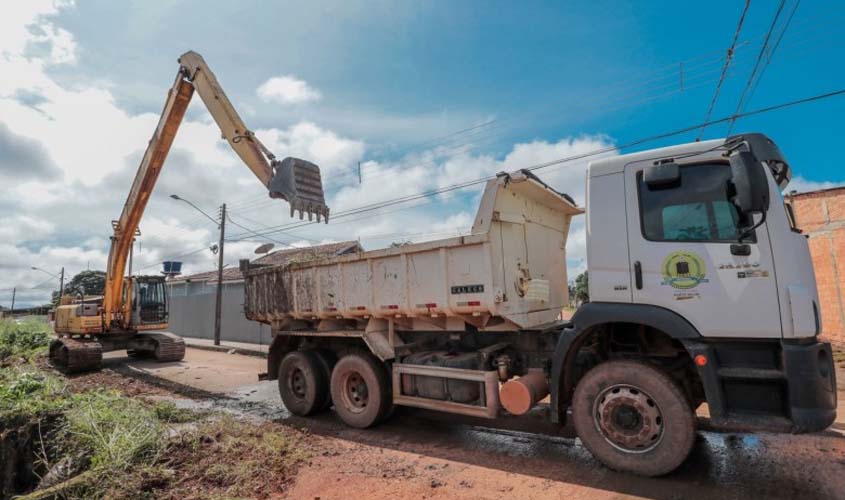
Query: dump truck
x,y
701,292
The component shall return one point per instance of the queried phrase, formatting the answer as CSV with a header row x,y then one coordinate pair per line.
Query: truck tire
x,y
327,361
360,390
633,418
303,385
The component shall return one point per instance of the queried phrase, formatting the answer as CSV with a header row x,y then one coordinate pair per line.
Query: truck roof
x,y
616,164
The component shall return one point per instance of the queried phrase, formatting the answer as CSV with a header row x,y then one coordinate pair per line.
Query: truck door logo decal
x,y
683,270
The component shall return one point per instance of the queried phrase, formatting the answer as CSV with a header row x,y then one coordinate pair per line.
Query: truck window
x,y
698,209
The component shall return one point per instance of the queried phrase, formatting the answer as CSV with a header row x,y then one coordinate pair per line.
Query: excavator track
x,y
76,355
168,347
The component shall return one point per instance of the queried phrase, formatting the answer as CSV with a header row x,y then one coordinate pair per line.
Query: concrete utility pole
x,y
12,310
218,309
62,285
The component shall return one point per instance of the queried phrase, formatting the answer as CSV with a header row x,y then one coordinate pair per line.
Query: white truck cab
x,y
699,235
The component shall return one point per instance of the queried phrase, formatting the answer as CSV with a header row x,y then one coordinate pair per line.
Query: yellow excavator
x,y
133,311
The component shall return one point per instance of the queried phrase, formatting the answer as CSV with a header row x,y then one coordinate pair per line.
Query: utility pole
x,y
12,310
61,285
219,306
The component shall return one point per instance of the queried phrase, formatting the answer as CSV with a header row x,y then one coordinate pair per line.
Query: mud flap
x,y
298,181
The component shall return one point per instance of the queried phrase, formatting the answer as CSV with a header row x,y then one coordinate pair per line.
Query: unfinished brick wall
x,y
821,216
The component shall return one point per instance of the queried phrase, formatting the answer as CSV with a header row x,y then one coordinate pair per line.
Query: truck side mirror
x,y
750,187
662,176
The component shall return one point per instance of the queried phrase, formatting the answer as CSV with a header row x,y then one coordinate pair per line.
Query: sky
x,y
422,94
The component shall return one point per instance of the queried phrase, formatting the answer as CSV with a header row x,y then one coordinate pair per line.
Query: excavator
x,y
132,312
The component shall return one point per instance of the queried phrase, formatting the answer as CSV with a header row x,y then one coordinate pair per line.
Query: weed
x,y
169,413
26,394
114,430
23,339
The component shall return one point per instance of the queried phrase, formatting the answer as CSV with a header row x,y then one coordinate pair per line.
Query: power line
x,y
748,91
728,58
637,142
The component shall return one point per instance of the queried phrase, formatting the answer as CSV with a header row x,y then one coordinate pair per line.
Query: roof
x,y
833,191
279,257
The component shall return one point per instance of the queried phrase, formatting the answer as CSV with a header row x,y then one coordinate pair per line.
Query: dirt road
x,y
416,456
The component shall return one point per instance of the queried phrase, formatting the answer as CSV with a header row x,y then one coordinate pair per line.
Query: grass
x,y
24,339
123,447
27,394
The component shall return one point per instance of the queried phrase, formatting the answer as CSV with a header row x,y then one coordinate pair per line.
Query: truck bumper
x,y
767,385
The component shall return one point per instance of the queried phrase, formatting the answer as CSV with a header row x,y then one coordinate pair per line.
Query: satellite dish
x,y
264,248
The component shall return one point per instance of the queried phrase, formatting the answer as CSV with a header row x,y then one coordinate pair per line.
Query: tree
x,y
582,290
84,283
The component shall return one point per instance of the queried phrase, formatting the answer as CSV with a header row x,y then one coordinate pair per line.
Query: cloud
x,y
803,185
23,158
287,90
58,210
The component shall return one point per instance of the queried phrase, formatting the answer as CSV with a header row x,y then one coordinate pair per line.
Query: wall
x,y
192,313
821,216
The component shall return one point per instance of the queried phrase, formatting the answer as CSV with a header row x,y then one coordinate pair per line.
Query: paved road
x,y
419,456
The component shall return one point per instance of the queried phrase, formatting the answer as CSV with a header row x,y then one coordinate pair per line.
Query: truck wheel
x,y
633,418
360,390
302,383
327,361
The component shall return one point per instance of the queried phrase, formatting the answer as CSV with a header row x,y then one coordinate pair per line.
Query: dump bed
x,y
509,273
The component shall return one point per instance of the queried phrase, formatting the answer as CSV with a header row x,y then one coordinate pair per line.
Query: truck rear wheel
x,y
633,418
360,390
303,385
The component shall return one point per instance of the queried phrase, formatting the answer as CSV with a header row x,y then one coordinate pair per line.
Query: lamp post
x,y
218,307
61,279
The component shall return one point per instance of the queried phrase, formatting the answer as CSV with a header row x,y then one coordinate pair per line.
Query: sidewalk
x,y
245,348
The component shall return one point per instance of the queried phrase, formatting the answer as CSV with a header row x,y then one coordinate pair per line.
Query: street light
x,y
198,209
60,278
219,299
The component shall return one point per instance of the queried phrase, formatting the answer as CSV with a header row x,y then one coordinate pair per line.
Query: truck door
x,y
685,255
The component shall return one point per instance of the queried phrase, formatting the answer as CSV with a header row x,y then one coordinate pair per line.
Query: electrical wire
x,y
637,142
728,58
748,91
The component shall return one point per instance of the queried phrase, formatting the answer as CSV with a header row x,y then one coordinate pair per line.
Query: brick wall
x,y
821,216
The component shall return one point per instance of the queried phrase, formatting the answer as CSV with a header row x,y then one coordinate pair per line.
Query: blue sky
x,y
387,84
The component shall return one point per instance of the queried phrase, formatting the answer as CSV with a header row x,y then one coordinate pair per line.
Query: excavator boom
x,y
291,179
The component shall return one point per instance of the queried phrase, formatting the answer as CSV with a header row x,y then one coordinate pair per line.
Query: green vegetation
x,y
27,394
101,443
24,338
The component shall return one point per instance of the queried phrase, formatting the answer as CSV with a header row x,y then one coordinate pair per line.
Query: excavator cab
x,y
149,302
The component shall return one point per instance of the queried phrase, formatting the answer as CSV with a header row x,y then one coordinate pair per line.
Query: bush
x,y
26,394
24,339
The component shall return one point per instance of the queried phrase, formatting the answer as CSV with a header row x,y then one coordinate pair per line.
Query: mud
x,y
424,455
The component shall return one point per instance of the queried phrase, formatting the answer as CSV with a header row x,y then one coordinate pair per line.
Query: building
x,y
821,217
192,298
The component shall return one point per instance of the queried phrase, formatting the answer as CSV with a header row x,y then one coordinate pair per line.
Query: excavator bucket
x,y
298,182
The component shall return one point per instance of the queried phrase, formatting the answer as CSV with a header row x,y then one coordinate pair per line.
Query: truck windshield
x,y
697,209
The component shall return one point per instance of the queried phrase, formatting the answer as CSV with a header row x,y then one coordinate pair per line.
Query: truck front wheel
x,y
633,418
303,384
360,390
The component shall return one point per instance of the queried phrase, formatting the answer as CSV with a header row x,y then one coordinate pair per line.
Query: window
x,y
698,209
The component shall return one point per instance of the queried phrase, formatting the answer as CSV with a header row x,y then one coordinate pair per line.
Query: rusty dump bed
x,y
509,273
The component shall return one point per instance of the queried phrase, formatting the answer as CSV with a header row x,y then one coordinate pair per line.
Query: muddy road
x,y
420,455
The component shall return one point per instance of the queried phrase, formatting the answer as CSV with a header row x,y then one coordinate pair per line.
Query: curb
x,y
227,349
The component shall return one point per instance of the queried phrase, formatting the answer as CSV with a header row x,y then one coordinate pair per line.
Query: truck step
x,y
751,373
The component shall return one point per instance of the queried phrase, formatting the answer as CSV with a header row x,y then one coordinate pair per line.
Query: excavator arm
x,y
291,179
